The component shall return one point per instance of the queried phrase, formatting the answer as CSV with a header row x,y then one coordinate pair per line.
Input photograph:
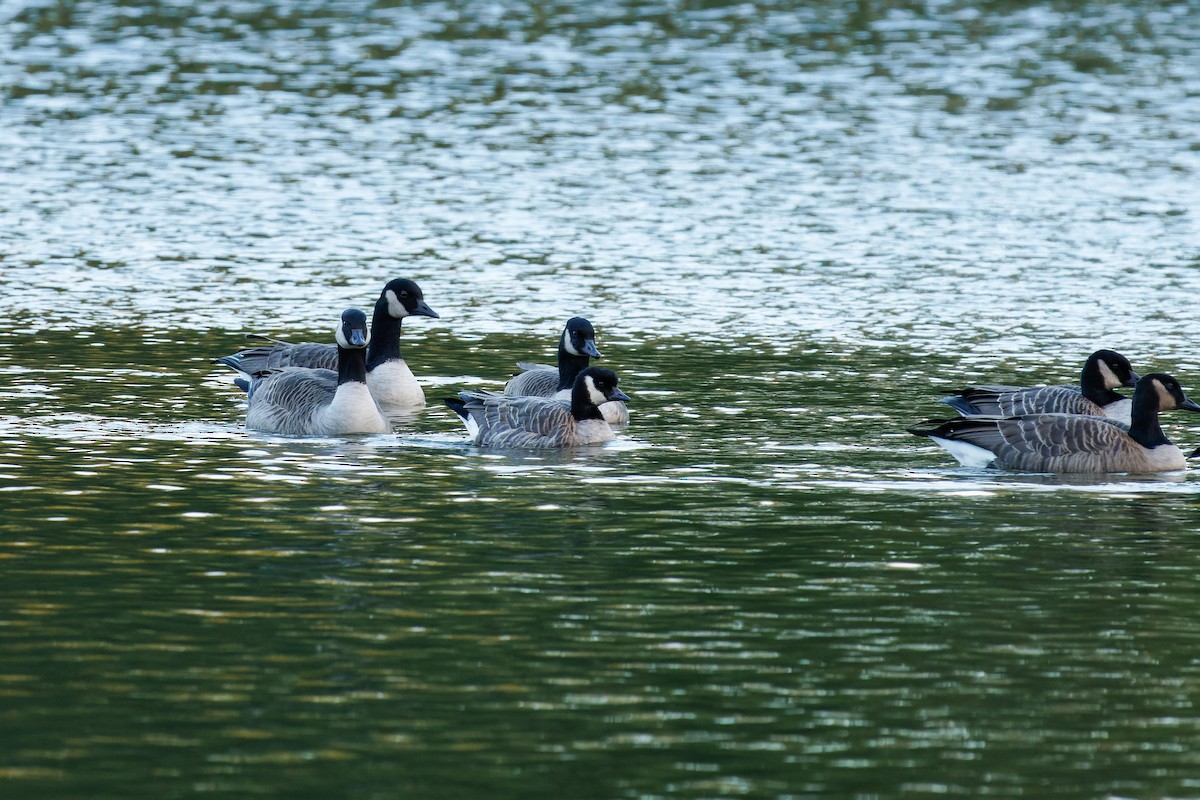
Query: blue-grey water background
x,y
794,226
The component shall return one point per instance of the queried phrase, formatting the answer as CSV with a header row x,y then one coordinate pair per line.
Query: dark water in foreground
x,y
794,228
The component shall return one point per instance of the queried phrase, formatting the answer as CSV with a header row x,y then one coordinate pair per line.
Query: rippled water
x,y
794,227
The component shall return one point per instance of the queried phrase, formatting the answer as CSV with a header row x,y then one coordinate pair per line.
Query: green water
x,y
794,226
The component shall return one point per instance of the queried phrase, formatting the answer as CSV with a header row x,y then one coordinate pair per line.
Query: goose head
x,y
579,338
1168,392
1109,369
403,298
594,386
352,333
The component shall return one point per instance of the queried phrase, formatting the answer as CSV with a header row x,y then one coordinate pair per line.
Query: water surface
x,y
794,228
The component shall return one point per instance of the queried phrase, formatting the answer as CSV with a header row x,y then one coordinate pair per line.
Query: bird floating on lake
x,y
307,401
389,377
501,420
1104,371
576,346
1070,443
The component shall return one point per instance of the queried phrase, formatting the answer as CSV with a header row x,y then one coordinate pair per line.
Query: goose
x,y
575,346
503,420
1069,443
391,381
307,401
1103,371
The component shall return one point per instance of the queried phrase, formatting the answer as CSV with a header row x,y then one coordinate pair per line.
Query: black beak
x,y
358,338
617,394
1132,379
589,348
425,311
1188,405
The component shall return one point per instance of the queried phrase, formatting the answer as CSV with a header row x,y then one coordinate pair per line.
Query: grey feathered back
x,y
288,400
536,380
530,422
541,380
278,355
1014,401
1052,443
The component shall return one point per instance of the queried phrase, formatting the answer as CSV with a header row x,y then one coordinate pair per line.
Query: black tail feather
x,y
931,427
962,405
457,406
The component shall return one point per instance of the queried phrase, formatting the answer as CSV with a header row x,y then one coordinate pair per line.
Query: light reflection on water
x,y
795,229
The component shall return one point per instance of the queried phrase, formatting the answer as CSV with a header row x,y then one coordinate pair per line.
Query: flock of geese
x,y
354,385
1085,428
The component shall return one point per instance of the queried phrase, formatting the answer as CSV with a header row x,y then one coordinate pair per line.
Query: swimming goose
x,y
1067,443
502,420
305,401
1104,371
389,377
575,346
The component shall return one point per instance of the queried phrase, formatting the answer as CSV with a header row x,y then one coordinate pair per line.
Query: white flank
x,y
472,426
395,387
1119,410
615,412
1166,458
353,410
593,431
969,455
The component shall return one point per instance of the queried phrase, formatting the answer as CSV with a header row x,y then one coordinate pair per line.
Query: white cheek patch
x,y
566,343
340,335
1110,378
595,395
1165,401
396,309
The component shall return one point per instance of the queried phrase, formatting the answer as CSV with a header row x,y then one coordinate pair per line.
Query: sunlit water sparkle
x,y
794,229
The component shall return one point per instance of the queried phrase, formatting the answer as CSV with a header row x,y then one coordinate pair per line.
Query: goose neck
x,y
1092,384
352,365
569,366
385,336
1143,418
582,406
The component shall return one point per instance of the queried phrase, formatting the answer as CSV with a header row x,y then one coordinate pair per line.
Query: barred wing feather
x,y
288,400
536,380
280,355
1008,401
1059,443
529,422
